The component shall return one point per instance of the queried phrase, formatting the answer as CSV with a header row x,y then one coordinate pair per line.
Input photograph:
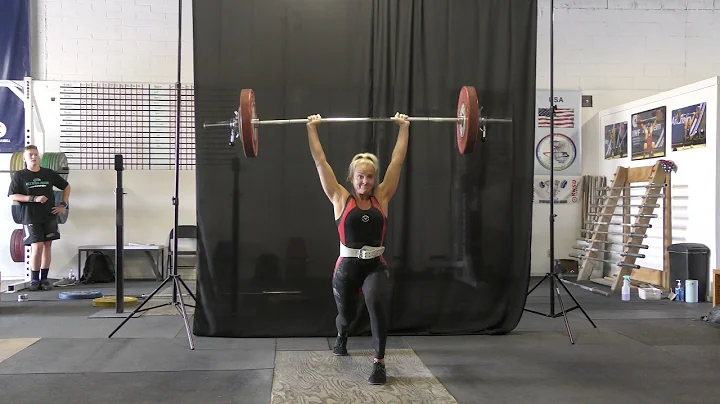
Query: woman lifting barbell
x,y
361,218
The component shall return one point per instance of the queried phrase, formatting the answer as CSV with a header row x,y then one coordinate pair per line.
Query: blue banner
x,y
14,65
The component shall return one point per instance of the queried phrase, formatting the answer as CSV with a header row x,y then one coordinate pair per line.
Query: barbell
x,y
469,121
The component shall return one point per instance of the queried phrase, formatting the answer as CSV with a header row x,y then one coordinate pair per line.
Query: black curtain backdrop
x,y
458,241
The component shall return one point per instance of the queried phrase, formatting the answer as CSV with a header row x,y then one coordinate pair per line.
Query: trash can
x,y
690,261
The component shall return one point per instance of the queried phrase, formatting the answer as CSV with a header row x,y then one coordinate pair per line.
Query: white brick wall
x,y
635,46
623,50
111,40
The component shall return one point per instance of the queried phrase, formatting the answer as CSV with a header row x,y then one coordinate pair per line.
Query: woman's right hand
x,y
313,121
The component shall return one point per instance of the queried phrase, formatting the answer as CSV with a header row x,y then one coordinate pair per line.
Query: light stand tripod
x,y
177,299
553,274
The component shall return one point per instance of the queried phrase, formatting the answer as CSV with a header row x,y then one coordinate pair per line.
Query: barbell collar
x,y
223,124
495,120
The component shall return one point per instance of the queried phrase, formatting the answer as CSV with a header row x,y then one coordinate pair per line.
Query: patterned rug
x,y
319,377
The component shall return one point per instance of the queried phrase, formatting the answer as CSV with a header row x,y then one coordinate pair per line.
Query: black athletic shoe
x,y
45,285
34,286
340,348
378,375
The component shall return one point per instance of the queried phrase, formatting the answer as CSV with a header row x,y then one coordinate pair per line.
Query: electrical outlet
x,y
548,253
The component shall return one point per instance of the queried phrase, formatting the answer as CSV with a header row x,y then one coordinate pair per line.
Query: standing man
x,y
33,188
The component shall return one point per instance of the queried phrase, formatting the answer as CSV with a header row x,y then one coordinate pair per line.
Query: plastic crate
x,y
650,293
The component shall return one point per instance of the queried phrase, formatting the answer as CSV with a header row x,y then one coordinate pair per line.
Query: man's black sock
x,y
35,275
44,273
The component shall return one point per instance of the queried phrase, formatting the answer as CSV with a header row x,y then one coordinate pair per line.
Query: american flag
x,y
564,117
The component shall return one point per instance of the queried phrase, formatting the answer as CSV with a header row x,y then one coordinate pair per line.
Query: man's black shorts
x,y
39,232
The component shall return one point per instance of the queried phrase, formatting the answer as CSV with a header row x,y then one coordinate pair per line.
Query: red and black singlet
x,y
358,227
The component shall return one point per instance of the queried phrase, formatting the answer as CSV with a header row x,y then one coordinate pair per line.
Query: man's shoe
x,y
34,286
64,282
340,348
45,285
378,375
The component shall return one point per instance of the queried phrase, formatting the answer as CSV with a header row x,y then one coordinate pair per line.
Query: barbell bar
x,y
230,124
648,215
468,121
629,205
630,196
615,233
647,226
621,253
620,264
650,186
629,245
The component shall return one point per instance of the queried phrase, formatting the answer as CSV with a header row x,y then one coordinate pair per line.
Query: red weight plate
x,y
17,248
248,131
468,111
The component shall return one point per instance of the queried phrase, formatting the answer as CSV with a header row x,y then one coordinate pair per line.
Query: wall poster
x,y
616,141
688,127
648,134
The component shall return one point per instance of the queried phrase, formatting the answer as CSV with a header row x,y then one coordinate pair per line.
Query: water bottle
x,y
71,276
626,288
679,291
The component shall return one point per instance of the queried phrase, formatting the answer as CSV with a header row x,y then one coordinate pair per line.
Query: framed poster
x,y
688,127
648,134
616,141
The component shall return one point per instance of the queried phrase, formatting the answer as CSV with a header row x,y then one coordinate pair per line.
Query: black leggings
x,y
373,276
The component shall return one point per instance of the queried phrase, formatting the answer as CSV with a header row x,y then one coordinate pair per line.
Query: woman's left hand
x,y
401,120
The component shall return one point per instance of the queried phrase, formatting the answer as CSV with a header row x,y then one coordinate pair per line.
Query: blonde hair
x,y
362,158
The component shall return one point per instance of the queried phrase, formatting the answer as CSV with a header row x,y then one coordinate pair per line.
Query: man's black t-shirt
x,y
26,182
